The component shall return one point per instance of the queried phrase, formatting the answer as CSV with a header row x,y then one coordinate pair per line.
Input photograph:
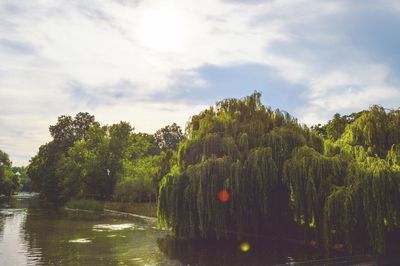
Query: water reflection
x,y
36,234
11,222
1,226
33,234
231,252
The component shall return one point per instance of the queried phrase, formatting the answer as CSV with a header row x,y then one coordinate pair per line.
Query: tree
x,y
169,137
23,178
238,146
92,167
142,145
42,169
339,182
9,182
4,159
336,126
68,129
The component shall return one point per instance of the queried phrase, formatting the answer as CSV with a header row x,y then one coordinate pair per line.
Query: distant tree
x,y
319,130
42,169
23,179
9,182
336,127
68,129
82,122
4,159
141,145
63,130
118,146
92,167
169,137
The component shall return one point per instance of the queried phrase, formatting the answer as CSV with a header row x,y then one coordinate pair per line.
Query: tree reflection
x,y
50,234
230,252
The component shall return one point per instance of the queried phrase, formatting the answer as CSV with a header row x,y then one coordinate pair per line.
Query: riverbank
x,y
148,209
35,233
142,210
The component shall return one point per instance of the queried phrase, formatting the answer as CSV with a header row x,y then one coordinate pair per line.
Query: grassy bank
x,y
85,204
145,209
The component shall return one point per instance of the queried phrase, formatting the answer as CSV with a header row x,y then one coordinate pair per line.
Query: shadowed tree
x,y
238,146
169,137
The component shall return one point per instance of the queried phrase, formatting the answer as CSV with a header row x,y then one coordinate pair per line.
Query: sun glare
x,y
162,29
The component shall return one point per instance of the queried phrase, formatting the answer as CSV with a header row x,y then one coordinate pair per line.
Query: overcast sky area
x,y
152,63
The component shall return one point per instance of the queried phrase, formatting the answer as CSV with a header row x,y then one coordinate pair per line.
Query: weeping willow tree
x,y
366,209
343,189
363,210
375,130
238,146
311,177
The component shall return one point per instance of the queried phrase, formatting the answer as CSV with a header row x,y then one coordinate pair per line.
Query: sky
x,y
153,63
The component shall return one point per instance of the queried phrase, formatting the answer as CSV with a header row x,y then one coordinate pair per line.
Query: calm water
x,y
33,234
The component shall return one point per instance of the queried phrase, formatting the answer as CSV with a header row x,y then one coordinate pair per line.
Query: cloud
x,y
157,62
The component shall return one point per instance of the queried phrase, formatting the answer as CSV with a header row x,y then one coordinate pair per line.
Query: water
x,y
34,234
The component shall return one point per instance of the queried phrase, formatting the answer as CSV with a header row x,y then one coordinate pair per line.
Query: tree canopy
x,y
9,182
339,182
87,160
241,170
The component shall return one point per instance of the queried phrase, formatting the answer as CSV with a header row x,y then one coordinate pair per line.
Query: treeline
x,y
242,170
9,176
86,160
339,183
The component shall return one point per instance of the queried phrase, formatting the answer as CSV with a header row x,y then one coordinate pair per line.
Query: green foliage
x,y
142,145
368,207
23,178
92,167
68,129
85,204
339,181
239,146
365,208
139,182
9,182
336,127
42,169
169,137
310,177
87,160
375,129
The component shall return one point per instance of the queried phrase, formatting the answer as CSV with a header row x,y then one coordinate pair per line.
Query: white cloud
x,y
352,89
112,57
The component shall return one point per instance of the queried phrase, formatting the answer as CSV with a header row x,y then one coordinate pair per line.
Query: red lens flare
x,y
223,196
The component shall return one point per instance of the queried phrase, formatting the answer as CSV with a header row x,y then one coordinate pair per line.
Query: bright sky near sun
x,y
153,63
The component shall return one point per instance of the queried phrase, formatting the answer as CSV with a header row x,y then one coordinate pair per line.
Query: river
x,y
35,234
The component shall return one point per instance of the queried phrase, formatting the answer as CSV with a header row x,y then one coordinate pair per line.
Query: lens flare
x,y
223,196
245,246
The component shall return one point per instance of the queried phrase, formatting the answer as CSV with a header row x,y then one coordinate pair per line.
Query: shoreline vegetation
x,y
145,209
240,169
